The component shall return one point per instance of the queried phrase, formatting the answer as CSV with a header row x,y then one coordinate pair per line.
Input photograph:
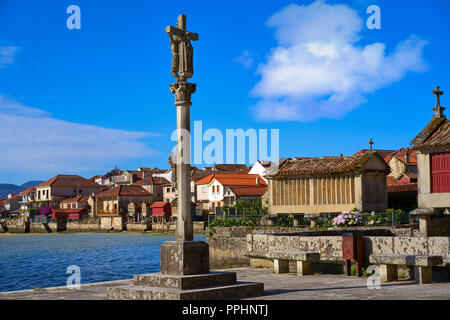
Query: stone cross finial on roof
x,y
438,110
371,143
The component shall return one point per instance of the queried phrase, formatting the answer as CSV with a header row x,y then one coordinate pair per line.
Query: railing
x,y
379,219
107,212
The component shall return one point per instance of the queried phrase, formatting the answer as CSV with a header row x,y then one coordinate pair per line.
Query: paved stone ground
x,y
277,287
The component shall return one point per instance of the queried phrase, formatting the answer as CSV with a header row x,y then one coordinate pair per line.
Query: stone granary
x,y
329,185
432,146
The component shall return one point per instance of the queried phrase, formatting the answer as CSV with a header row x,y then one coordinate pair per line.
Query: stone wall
x,y
228,246
330,247
83,227
440,226
138,227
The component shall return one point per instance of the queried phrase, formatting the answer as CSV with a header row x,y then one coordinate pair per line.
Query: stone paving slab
x,y
286,286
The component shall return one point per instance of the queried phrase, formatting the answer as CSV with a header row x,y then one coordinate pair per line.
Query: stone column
x,y
184,256
424,215
313,218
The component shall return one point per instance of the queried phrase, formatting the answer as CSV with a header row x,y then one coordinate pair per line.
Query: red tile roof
x,y
152,181
28,191
234,179
410,187
79,198
326,165
159,204
124,190
391,180
401,154
249,191
65,180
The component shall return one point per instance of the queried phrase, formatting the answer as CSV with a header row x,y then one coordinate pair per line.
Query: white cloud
x,y
245,59
319,71
32,141
7,55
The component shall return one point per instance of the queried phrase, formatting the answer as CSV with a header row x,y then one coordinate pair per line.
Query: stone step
x,y
239,290
210,279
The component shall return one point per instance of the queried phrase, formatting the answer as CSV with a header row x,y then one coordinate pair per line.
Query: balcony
x,y
107,212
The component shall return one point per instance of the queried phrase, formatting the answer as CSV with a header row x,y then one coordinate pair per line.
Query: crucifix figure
x,y
371,143
438,110
182,50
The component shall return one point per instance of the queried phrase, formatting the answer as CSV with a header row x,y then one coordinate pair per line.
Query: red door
x,y
440,172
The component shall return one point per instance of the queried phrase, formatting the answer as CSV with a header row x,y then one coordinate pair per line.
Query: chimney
x,y
407,156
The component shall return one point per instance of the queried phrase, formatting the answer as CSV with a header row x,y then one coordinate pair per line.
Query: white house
x,y
213,187
263,168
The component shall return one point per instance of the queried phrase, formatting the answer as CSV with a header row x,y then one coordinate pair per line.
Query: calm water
x,y
33,261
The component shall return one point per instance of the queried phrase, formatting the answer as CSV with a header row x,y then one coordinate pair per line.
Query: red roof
x,y
401,154
65,180
152,181
249,191
234,179
124,190
79,198
159,204
28,191
410,187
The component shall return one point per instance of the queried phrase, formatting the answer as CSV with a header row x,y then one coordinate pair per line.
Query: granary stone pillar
x,y
424,216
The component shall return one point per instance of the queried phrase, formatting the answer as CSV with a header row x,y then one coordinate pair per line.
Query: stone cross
x,y
182,50
438,110
371,143
182,69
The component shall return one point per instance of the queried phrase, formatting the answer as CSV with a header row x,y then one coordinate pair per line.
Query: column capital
x,y
183,91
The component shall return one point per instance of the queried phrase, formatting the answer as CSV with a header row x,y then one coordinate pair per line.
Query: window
x,y
168,190
213,189
218,190
203,189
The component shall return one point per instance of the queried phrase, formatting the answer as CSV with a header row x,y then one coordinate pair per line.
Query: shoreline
x,y
93,232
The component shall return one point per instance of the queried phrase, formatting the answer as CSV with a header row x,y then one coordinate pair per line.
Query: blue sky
x,y
83,101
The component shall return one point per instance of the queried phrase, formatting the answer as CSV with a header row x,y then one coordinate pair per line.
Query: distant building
x,y
12,204
155,185
112,205
211,189
107,178
329,184
86,202
62,186
234,194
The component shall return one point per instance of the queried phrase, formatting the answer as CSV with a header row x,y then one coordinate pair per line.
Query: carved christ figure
x,y
175,55
182,49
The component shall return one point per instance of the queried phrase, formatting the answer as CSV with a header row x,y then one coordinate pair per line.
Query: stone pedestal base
x,y
184,257
239,290
185,276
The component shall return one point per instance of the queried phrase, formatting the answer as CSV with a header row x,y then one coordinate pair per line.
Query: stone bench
x,y
304,261
422,265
